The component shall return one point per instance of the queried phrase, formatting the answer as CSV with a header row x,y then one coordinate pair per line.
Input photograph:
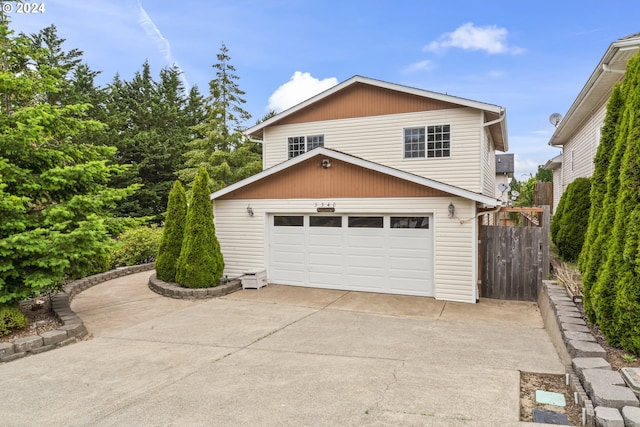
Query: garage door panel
x,y
362,258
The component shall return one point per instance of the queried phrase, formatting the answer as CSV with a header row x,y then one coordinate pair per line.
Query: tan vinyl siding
x,y
488,156
380,139
242,238
578,153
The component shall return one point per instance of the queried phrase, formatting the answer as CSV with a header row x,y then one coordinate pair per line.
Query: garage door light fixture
x,y
249,210
452,210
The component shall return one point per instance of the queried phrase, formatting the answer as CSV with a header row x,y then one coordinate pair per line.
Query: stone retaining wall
x,y
602,392
72,329
174,290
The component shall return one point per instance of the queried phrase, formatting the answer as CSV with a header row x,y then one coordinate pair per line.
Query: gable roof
x,y
598,88
357,161
494,115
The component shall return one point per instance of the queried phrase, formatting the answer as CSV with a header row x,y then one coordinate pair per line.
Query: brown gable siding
x,y
362,100
342,180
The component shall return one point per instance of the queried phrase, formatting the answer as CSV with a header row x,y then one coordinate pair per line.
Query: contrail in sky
x,y
163,44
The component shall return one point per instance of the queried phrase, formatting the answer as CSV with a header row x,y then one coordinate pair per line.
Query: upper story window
x,y
429,141
300,144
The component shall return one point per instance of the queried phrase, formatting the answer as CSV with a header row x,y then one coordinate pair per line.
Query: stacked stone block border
x,y
603,394
72,329
173,290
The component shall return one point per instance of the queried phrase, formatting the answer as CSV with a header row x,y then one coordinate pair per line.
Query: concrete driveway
x,y
281,356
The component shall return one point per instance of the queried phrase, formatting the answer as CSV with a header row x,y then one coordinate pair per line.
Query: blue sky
x,y
531,57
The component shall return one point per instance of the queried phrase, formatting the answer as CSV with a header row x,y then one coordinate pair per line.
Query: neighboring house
x,y
505,167
578,133
368,186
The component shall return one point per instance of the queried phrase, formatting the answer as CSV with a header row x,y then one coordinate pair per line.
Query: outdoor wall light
x,y
249,210
452,210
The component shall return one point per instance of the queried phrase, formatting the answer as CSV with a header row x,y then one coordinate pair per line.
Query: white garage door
x,y
373,253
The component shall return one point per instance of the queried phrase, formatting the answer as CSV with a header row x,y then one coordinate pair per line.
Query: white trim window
x,y
297,145
429,142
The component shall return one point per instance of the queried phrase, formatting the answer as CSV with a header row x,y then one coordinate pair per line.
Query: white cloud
x,y
491,39
163,44
300,87
425,65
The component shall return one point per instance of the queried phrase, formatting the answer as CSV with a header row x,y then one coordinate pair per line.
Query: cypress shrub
x,y
572,224
591,256
615,284
171,242
626,313
200,264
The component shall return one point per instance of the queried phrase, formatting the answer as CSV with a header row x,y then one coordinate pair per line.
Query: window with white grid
x,y
439,141
413,142
296,146
315,141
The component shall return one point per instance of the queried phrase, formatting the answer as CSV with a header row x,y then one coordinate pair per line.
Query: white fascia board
x,y
357,161
379,83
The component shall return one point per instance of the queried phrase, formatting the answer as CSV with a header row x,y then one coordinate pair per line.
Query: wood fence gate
x,y
514,253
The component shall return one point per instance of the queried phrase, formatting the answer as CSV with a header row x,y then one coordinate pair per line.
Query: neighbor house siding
x,y
380,139
578,153
243,238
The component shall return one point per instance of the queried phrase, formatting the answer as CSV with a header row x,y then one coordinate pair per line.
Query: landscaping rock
x,y
608,417
631,376
6,349
53,337
27,344
579,336
598,377
582,363
570,327
631,416
585,349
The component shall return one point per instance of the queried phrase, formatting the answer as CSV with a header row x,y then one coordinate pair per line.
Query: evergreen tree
x,y
55,201
617,209
221,147
172,236
200,264
150,123
570,223
592,255
623,259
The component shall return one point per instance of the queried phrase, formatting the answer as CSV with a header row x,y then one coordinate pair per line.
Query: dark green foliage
x,y
55,201
11,318
570,222
150,123
200,264
220,146
615,296
137,246
593,255
172,236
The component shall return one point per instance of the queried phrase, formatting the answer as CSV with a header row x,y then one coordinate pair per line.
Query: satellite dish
x,y
503,187
555,119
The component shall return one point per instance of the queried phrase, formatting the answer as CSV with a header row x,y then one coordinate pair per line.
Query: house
x,y
505,167
578,133
368,186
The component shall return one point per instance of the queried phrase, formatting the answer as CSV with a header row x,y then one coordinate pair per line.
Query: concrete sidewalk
x,y
281,356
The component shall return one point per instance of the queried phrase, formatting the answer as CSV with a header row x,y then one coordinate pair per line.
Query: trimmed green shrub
x,y
11,318
171,242
593,256
571,224
137,246
616,294
200,264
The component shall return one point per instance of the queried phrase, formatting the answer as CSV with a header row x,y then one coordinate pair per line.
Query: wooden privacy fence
x,y
514,259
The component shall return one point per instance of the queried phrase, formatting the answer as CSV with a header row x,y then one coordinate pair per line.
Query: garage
x,y
390,253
